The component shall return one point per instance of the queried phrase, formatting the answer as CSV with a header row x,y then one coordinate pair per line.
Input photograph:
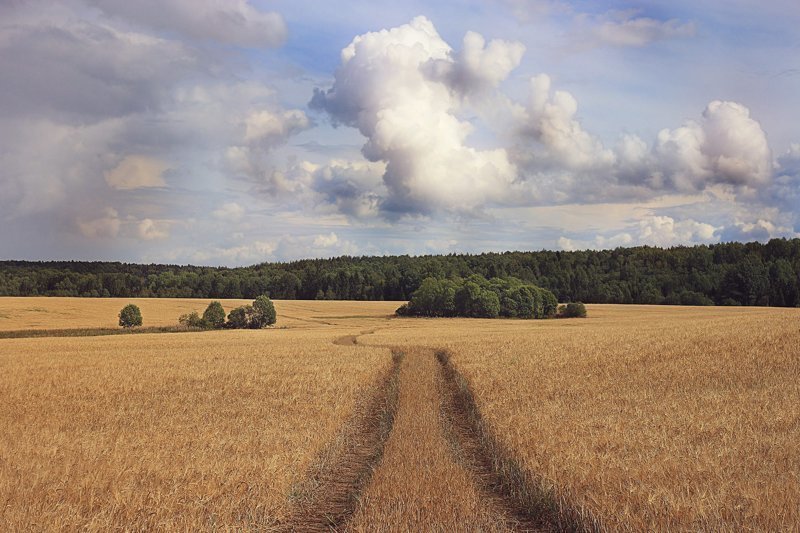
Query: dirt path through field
x,y
425,481
425,465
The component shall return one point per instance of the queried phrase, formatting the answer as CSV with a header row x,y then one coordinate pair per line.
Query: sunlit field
x,y
63,313
191,431
636,418
645,418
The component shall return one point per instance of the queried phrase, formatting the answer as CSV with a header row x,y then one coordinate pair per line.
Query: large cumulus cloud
x,y
407,92
400,88
727,146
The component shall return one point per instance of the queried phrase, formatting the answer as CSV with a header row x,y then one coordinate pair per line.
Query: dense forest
x,y
723,274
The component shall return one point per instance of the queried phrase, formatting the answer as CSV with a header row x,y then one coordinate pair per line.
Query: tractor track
x,y
329,494
336,494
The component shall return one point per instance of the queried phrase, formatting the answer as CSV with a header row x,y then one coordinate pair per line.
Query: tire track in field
x,y
512,498
328,496
532,504
462,426
420,485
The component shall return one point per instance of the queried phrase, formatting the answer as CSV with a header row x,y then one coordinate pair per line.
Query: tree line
x,y
722,274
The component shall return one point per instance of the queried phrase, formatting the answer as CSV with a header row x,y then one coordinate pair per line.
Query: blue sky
x,y
231,132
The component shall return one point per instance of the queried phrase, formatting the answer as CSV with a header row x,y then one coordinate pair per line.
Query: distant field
x,y
636,418
63,313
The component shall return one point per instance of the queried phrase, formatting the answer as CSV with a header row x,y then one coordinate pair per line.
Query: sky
x,y
234,132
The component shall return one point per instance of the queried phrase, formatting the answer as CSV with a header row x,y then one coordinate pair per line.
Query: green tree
x,y
214,316
241,317
783,284
472,300
572,310
191,320
434,297
263,313
549,303
130,316
747,282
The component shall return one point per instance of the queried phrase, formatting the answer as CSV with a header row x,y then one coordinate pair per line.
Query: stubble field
x,y
637,418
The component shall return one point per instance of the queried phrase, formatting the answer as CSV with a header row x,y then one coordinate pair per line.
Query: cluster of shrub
x,y
478,297
572,310
256,316
130,316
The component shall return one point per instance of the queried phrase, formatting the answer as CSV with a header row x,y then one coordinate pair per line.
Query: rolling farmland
x,y
637,418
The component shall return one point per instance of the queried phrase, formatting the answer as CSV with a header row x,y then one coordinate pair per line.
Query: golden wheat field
x,y
177,432
637,418
64,313
643,418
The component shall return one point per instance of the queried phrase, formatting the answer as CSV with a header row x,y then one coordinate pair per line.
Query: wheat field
x,y
638,418
169,432
65,313
643,418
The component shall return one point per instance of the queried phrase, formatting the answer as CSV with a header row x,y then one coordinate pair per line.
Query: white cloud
x,y
148,230
665,231
600,242
405,89
284,247
228,21
562,162
550,120
326,241
637,31
230,211
136,172
104,227
762,230
353,187
653,230
567,244
385,88
273,127
477,66
264,130
727,146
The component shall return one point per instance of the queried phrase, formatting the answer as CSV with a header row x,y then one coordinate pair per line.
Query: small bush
x,y
572,310
130,316
214,316
191,320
